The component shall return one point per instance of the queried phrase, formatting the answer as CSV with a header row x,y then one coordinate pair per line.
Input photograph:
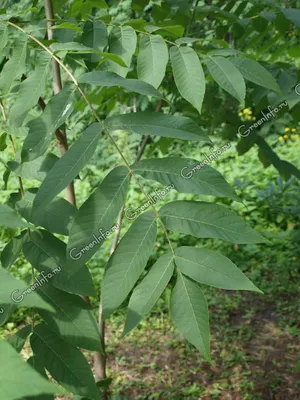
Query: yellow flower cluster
x,y
247,114
293,135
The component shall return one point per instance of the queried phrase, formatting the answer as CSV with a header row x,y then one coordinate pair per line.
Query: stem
x,y
60,134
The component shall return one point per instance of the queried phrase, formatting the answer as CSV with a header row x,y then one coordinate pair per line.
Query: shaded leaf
x,y
122,42
68,166
10,218
152,59
152,123
30,90
13,292
3,37
128,261
95,37
65,362
189,312
24,381
211,268
38,366
108,79
11,251
19,338
46,253
188,74
56,217
35,169
41,129
96,217
179,172
254,72
204,220
15,66
73,319
227,76
6,311
146,294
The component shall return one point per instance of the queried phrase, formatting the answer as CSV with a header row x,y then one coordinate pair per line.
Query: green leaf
x,y
11,251
122,42
5,177
3,37
98,3
128,261
293,15
15,66
79,48
30,90
3,144
179,172
65,362
73,319
96,217
204,220
56,216
38,366
146,294
223,52
113,57
24,381
68,166
12,292
6,311
186,40
254,72
189,313
188,74
152,59
19,338
95,37
211,268
41,129
227,76
35,169
139,5
108,79
157,124
67,25
46,253
72,47
10,218
294,51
